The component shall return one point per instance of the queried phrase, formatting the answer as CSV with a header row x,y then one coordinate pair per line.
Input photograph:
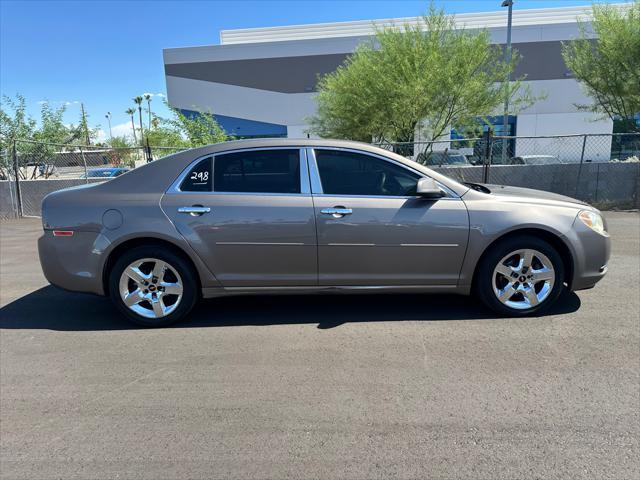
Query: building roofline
x,y
357,28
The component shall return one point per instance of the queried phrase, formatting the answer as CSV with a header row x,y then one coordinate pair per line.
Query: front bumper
x,y
591,256
74,263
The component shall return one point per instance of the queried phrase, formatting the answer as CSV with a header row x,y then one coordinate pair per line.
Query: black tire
x,y
483,282
190,293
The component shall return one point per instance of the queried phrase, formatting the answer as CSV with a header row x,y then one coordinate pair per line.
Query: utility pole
x,y
108,117
85,127
505,118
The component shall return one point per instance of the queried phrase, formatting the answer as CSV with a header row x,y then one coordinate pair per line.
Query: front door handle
x,y
336,212
194,210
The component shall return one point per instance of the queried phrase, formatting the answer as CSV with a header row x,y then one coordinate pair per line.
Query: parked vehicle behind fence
x,y
104,172
444,158
534,160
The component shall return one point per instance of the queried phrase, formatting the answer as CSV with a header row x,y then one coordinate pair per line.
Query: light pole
x,y
108,117
505,118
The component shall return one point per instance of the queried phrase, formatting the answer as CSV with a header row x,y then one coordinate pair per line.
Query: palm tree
x,y
147,97
138,101
131,112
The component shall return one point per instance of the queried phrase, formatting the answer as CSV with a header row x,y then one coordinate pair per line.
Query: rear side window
x,y
258,171
199,178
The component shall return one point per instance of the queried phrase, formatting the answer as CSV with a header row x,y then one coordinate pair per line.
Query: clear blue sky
x,y
103,53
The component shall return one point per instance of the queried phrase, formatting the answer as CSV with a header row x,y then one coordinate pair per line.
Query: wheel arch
x,y
553,239
144,241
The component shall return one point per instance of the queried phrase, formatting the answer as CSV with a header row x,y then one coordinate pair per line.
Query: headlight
x,y
593,220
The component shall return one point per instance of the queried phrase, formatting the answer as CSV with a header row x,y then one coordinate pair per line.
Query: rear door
x,y
249,215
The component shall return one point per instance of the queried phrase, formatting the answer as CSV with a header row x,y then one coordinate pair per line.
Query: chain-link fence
x,y
600,169
597,168
30,170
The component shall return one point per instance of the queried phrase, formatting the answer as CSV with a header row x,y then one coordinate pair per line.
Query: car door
x,y
249,216
372,228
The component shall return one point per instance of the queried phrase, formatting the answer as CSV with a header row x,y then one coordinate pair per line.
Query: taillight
x,y
63,233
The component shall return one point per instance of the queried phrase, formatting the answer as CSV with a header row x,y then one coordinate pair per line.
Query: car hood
x,y
529,195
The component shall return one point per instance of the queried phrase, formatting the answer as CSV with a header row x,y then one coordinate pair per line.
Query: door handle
x,y
336,212
194,210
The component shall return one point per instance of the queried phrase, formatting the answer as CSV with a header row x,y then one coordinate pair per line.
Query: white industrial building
x,y
261,81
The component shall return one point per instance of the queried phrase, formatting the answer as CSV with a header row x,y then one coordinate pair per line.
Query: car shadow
x,y
55,309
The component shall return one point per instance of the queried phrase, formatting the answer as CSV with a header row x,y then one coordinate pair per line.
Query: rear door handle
x,y
336,212
194,210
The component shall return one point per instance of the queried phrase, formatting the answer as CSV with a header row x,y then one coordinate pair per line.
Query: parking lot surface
x,y
370,386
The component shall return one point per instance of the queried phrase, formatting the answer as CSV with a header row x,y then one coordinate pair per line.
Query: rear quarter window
x,y
199,178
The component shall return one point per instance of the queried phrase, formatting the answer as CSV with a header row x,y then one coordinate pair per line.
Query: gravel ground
x,y
328,386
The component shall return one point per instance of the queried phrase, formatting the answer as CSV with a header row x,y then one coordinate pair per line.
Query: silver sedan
x,y
290,216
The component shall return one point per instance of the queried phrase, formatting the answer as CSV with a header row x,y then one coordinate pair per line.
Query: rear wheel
x,y
152,286
520,276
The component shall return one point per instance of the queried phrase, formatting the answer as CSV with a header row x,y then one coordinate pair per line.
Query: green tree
x,y
51,135
138,101
83,133
164,136
608,67
147,97
198,130
120,142
15,123
431,77
131,112
37,141
122,153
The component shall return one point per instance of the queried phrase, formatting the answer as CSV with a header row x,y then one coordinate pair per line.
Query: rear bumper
x,y
73,263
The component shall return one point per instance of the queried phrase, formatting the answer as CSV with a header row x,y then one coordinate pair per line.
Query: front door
x,y
374,231
249,216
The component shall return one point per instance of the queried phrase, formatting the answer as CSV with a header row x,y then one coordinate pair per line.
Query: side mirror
x,y
427,188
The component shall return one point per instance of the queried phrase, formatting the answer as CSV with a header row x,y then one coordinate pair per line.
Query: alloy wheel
x,y
151,288
523,279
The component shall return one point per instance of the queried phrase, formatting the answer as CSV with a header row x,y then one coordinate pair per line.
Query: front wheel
x,y
520,276
152,286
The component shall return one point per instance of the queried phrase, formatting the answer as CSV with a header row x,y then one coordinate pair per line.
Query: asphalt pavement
x,y
365,386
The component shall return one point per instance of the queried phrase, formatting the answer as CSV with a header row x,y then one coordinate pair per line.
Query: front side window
x,y
199,178
350,173
258,171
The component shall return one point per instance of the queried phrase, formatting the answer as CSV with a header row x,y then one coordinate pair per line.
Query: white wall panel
x,y
568,149
565,123
298,131
295,48
242,102
330,45
561,96
493,19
